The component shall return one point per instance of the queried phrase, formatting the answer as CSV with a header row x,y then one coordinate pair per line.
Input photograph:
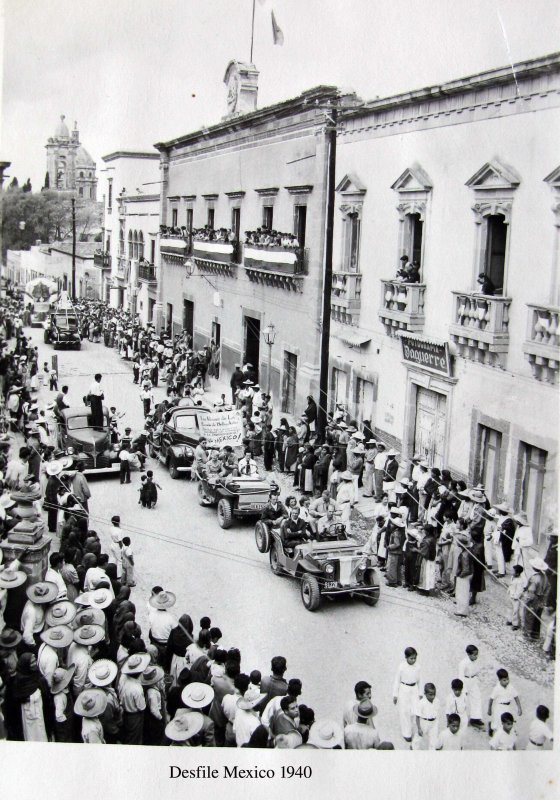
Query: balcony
x,y
345,297
218,258
174,248
402,306
282,267
147,273
102,260
480,327
542,345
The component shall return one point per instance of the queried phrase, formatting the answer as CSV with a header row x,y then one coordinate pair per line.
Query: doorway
x,y
252,337
289,381
217,337
188,317
496,232
339,387
429,430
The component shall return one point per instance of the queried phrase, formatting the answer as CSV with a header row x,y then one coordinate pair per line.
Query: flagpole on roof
x,y
252,32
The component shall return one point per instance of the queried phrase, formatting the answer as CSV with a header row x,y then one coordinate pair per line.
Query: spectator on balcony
x,y
412,273
486,285
401,272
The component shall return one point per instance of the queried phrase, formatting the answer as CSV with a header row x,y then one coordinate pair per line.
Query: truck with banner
x,y
41,293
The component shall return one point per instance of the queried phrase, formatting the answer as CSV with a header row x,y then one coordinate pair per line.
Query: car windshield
x,y
186,422
83,421
62,321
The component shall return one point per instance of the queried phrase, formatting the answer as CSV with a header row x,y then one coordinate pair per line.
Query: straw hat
x,y
162,600
359,449
288,741
358,435
67,462
102,672
503,507
42,592
184,727
6,501
251,698
392,454
346,476
197,695
326,734
522,518
89,616
82,599
89,634
61,613
12,578
151,675
100,598
398,522
477,496
10,638
61,678
539,564
58,636
91,703
54,467
136,663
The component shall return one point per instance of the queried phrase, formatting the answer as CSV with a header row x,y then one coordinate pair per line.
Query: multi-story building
x,y
259,169
130,186
464,179
55,261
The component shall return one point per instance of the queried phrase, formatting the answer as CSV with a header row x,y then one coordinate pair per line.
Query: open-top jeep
x,y
331,564
242,496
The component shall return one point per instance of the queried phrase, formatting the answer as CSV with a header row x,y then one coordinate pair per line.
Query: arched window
x,y
81,191
140,245
135,249
81,174
130,250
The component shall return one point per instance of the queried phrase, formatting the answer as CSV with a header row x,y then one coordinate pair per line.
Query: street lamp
x,y
189,267
269,334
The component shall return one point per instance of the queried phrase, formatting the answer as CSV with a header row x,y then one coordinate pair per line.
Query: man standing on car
x,y
95,397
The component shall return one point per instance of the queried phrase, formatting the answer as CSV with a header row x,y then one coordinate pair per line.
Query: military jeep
x,y
233,496
331,564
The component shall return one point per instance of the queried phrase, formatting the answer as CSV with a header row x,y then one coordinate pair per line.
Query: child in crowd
x,y
469,669
539,731
53,378
427,712
456,703
141,489
406,691
452,737
505,738
127,562
516,588
149,491
501,700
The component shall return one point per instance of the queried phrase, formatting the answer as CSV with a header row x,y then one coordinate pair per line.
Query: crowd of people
x,y
75,665
265,237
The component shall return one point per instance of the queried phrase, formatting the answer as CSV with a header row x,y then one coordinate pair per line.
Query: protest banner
x,y
221,428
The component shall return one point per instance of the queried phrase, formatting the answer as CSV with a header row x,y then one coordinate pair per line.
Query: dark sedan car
x,y
174,445
92,445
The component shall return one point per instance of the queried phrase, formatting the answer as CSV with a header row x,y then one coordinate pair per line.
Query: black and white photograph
x,y
279,397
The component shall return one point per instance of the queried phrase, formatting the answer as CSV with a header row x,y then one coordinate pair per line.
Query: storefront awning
x,y
353,337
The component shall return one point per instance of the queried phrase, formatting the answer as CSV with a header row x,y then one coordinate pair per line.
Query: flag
x,y
277,35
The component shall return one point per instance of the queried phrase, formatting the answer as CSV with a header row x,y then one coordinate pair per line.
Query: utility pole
x,y
327,276
73,249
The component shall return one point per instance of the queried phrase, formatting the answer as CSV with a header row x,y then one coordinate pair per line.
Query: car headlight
x,y
329,569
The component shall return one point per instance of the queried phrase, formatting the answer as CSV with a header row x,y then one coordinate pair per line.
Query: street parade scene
x,y
279,370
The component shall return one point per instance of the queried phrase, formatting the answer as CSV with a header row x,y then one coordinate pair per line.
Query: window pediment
x,y
351,186
413,179
494,176
553,179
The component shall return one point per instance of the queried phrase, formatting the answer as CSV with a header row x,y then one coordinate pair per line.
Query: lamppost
x,y
269,334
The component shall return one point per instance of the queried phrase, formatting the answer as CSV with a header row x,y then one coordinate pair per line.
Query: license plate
x,y
330,584
257,506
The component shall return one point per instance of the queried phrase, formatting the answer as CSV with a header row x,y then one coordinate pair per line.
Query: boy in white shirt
x,y
451,738
469,669
504,694
406,692
516,588
539,731
427,711
456,703
505,738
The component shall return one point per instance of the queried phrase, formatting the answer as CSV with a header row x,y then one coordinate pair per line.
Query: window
x,y
186,422
121,239
81,191
289,383
267,217
236,221
174,215
81,174
135,245
415,227
532,469
152,252
339,386
364,399
300,220
351,243
489,454
130,245
141,246
210,219
190,217
110,196
108,245
495,256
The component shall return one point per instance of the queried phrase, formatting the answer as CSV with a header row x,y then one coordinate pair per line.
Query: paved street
x,y
221,574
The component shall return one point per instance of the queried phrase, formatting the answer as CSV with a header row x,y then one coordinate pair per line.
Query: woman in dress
x,y
291,445
179,639
478,565
427,550
464,575
29,707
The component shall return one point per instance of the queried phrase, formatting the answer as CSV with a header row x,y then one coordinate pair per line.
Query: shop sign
x,y
427,354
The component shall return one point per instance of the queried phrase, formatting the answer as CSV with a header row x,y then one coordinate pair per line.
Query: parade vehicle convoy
x,y
330,565
174,444
86,443
42,293
62,329
234,496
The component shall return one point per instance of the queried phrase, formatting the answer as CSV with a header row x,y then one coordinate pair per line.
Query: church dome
x,y
62,131
83,158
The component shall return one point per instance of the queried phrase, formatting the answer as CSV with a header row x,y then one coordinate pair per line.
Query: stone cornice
x,y
303,189
235,195
130,154
213,196
271,191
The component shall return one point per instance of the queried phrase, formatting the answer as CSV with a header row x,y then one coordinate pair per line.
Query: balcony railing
x,y
542,344
101,259
286,260
346,297
480,327
402,306
220,258
147,272
174,246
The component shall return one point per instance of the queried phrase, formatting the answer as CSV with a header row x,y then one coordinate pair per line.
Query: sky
x,y
136,72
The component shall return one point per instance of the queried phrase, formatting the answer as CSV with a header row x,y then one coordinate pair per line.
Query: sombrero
x,y
42,592
89,634
503,507
102,672
522,518
82,599
91,703
539,564
162,600
100,598
61,678
6,501
54,467
197,695
12,578
251,698
89,616
10,638
326,734
61,613
184,727
136,663
151,675
58,636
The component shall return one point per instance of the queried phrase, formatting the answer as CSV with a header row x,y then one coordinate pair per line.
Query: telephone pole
x,y
73,249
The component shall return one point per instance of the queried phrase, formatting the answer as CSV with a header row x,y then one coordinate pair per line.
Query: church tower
x,y
69,165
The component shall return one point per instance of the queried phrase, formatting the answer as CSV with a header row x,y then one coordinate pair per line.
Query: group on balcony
x,y
208,234
264,237
170,231
409,271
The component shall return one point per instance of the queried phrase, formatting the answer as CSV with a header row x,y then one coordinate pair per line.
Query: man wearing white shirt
x,y
56,561
379,470
247,466
96,397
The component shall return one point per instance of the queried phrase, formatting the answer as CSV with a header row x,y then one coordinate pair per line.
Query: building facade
x,y
69,165
462,179
55,261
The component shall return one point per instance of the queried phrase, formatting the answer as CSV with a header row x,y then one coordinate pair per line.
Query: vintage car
x,y
62,329
329,565
174,444
234,496
90,445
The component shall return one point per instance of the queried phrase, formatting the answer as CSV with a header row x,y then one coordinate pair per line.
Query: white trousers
x,y
472,690
430,735
407,698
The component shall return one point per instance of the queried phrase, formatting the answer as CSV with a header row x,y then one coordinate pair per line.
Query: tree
x,y
47,180
14,184
27,186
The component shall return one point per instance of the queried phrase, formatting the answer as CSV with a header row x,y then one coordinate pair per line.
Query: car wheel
x,y
274,561
262,537
225,513
202,498
173,471
310,592
370,579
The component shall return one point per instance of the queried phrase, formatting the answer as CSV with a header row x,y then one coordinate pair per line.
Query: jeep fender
x,y
306,565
